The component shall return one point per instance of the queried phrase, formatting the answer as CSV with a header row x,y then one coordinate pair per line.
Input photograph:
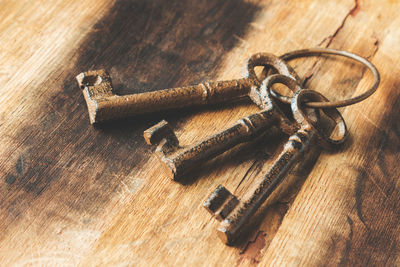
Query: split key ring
x,y
335,104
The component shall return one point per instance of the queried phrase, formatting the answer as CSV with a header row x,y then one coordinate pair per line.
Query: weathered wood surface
x,y
74,194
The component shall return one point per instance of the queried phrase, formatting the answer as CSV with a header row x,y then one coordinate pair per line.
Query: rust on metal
x,y
221,203
298,144
178,161
104,105
238,214
305,129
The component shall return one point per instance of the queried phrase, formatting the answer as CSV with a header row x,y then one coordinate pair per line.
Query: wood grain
x,y
74,194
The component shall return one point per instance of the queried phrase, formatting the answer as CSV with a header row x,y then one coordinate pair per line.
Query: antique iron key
x,y
178,161
104,105
235,214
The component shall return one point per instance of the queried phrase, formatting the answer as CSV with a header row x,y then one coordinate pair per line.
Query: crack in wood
x,y
252,248
330,39
351,12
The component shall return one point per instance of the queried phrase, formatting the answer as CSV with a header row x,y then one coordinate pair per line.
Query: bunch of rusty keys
x,y
234,214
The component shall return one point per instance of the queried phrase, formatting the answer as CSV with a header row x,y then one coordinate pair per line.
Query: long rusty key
x,y
178,161
104,105
235,214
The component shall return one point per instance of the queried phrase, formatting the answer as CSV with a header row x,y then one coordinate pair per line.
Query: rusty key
x,y
235,214
178,161
104,105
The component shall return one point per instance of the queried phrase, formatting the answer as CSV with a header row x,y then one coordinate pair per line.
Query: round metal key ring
x,y
299,101
329,51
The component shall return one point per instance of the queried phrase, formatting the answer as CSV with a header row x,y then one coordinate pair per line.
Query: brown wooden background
x,y
74,194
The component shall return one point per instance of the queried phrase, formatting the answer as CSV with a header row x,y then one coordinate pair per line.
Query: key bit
x,y
161,131
103,104
235,219
220,203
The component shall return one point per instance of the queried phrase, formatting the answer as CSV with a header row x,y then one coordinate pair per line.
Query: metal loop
x,y
299,101
336,104
267,60
289,82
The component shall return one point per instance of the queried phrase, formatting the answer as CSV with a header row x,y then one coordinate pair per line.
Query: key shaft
x,y
294,149
104,105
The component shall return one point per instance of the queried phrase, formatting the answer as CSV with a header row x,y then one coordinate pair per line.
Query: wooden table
x,y
74,194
